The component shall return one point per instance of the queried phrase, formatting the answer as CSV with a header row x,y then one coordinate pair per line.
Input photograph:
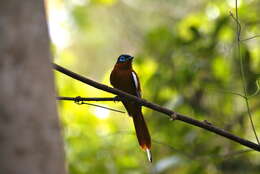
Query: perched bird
x,y
124,78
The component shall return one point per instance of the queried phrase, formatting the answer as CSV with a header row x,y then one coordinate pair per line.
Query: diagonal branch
x,y
173,115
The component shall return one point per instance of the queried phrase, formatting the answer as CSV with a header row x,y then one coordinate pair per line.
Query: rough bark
x,y
30,138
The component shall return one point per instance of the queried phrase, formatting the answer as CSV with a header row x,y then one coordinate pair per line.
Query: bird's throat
x,y
124,65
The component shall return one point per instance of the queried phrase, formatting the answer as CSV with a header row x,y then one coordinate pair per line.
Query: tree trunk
x,y
30,138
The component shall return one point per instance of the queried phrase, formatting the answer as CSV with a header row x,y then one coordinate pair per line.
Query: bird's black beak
x,y
131,58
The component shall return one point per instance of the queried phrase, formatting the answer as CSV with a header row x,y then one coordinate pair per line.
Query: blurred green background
x,y
187,60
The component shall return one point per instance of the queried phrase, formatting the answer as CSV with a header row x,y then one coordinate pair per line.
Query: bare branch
x,y
160,109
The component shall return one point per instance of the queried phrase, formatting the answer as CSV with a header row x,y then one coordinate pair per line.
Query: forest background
x,y
187,58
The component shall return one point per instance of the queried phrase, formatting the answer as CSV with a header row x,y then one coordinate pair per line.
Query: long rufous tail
x,y
142,134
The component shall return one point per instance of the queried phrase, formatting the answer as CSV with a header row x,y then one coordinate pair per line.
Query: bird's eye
x,y
121,59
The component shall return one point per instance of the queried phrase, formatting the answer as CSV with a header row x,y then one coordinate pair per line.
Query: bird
x,y
124,78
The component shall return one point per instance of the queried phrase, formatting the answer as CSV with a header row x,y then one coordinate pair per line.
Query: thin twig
x,y
242,40
238,24
89,98
232,154
227,91
158,108
91,104
79,100
238,33
257,89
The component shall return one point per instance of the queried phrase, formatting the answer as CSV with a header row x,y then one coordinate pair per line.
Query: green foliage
x,y
186,57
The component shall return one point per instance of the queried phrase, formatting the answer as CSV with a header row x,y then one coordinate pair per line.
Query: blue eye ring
x,y
122,59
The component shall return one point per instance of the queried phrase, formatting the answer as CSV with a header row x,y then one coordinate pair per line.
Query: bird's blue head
x,y
124,58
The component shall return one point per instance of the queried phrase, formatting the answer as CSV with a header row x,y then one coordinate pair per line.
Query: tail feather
x,y
149,155
142,134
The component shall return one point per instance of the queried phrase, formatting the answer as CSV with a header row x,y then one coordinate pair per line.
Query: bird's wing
x,y
136,84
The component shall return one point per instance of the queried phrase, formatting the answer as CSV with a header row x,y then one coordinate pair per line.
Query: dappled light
x,y
187,58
